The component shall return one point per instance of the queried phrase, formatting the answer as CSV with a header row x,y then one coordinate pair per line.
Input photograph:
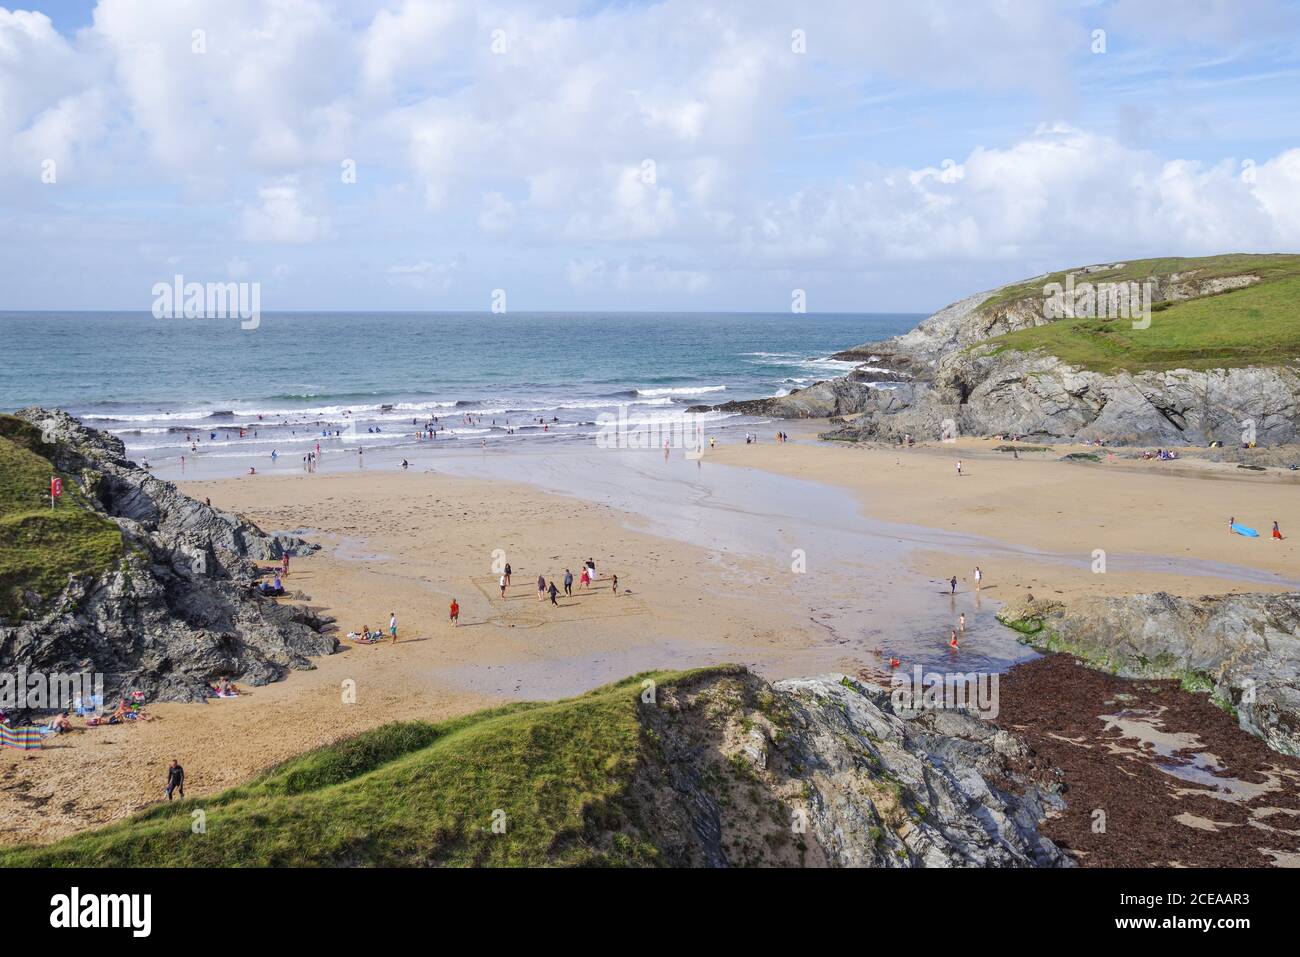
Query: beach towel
x,y
1243,530
26,738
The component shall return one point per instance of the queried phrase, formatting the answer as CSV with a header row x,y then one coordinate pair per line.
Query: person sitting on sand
x,y
61,724
1277,532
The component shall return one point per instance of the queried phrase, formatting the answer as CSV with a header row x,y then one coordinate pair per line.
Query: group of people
x,y
978,576
368,637
549,589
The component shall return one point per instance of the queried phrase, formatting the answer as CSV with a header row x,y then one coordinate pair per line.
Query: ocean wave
x,y
685,390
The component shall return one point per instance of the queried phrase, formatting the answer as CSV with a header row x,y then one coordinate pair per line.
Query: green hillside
x,y
1256,325
559,776
40,548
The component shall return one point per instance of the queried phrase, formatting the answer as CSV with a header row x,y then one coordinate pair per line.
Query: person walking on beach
x,y
615,585
392,625
284,565
541,588
979,577
454,613
568,583
507,576
959,468
175,779
503,586
584,579
553,591
952,583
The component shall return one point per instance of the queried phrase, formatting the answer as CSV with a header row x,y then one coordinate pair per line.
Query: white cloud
x,y
281,216
538,154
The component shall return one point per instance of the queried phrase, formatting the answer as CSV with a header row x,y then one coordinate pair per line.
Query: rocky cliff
x,y
1244,648
178,610
964,370
826,771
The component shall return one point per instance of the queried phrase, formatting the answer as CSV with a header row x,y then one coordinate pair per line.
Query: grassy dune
x,y
40,548
556,775
1256,325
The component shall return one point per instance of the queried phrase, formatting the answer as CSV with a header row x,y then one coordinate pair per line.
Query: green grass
x,y
40,548
415,793
1256,325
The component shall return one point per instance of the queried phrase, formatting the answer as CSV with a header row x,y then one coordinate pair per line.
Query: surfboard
x,y
1243,530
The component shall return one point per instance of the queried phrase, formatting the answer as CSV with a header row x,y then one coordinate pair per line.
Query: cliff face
x,y
1245,647
178,611
825,771
985,391
952,375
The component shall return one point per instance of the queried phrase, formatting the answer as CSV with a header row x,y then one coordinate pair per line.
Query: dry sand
x,y
410,542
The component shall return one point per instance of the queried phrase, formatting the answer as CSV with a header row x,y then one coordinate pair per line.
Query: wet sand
x,y
1161,525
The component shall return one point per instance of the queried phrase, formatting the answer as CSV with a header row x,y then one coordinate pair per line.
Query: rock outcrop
x,y
826,771
944,379
179,610
1245,648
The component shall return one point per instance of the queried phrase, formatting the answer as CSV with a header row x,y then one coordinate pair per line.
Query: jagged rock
x,y
823,771
178,611
842,396
1246,646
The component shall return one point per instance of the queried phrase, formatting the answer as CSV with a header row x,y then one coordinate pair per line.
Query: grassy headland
x,y
39,546
1254,325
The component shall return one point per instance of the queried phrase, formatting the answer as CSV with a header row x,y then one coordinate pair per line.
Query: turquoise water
x,y
162,384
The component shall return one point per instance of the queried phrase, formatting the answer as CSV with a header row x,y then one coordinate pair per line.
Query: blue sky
x,y
652,156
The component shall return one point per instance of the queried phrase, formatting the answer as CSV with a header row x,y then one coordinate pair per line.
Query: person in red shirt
x,y
455,613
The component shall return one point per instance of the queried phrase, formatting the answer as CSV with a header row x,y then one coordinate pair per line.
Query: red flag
x,y
56,487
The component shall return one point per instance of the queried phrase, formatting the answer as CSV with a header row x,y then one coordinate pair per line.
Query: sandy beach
x,y
708,556
1155,520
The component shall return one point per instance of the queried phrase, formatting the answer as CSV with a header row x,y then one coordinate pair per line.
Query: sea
x,y
179,387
